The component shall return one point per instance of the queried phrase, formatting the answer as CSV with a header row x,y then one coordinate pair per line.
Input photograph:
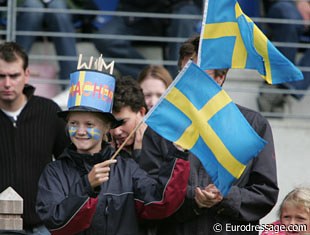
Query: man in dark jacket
x,y
251,197
30,131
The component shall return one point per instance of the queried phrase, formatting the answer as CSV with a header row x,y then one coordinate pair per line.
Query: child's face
x,y
86,131
295,215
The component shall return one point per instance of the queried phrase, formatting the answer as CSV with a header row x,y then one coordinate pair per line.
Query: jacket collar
x,y
71,153
29,90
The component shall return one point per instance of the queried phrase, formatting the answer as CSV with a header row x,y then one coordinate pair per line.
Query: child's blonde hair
x,y
298,197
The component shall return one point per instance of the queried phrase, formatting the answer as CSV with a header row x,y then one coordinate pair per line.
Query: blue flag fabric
x,y
197,114
230,39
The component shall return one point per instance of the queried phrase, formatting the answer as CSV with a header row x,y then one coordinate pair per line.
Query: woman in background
x,y
154,80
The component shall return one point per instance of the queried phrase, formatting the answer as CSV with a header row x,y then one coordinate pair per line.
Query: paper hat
x,y
91,91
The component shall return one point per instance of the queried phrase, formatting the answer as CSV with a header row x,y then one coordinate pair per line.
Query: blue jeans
x,y
120,48
41,230
290,33
55,22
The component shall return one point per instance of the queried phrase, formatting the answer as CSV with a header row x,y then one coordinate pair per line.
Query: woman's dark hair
x,y
190,48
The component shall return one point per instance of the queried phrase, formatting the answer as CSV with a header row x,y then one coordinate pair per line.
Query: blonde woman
x,y
154,80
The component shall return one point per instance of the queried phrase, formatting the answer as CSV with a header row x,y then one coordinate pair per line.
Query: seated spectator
x,y
129,26
85,23
294,214
154,80
287,33
55,22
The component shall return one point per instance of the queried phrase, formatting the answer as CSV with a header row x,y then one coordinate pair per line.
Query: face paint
x,y
92,133
72,130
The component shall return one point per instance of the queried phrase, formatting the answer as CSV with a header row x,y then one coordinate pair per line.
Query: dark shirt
x,y
26,146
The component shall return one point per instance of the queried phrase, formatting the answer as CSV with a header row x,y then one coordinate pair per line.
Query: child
x,y
87,192
294,214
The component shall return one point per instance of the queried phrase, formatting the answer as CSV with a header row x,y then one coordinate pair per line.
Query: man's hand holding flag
x,y
196,114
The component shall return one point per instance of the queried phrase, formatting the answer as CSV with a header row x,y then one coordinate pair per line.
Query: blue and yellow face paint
x,y
93,133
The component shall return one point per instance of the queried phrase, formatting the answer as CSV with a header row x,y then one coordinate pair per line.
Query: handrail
x,y
10,33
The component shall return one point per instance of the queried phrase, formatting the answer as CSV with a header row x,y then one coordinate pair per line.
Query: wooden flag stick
x,y
126,140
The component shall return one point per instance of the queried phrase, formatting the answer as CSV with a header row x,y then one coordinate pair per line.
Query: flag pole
x,y
126,140
153,108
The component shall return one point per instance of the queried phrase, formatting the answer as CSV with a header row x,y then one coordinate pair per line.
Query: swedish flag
x,y
198,115
230,39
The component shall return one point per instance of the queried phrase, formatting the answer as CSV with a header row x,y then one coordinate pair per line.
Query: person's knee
x,y
59,4
33,20
115,28
185,9
283,10
61,19
109,45
32,4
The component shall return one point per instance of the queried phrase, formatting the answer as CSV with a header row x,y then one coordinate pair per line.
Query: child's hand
x,y
100,173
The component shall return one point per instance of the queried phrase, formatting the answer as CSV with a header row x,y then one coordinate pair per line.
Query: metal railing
x,y
10,34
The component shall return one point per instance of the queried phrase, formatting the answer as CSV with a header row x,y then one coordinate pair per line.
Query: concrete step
x,y
243,87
